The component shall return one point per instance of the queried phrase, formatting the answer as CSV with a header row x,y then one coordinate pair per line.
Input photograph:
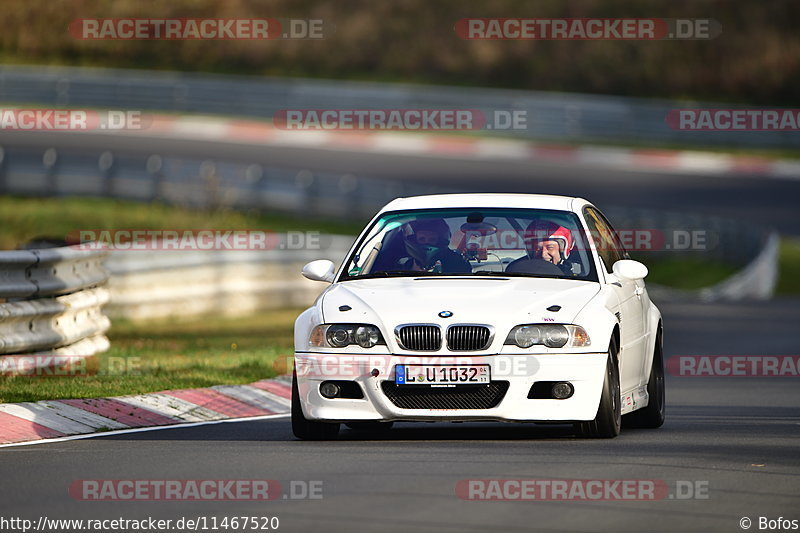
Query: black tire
x,y
309,429
652,416
608,421
370,425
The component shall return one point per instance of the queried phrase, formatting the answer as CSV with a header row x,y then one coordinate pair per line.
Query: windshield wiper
x,y
489,273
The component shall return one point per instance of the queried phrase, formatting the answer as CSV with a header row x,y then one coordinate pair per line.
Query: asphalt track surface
x,y
764,201
737,437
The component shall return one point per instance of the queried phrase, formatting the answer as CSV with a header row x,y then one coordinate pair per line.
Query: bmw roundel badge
x,y
446,314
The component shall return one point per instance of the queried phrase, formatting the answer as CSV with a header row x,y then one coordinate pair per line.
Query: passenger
x,y
546,241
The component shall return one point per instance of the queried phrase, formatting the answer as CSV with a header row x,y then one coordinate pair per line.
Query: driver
x,y
547,241
426,243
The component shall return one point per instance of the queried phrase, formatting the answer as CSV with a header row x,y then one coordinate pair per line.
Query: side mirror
x,y
629,269
320,270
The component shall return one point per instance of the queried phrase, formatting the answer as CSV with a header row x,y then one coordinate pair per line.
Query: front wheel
x,y
607,422
309,429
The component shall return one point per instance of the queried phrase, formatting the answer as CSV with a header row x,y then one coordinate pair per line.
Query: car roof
x,y
522,201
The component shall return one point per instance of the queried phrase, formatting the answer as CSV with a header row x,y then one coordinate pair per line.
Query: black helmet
x,y
424,252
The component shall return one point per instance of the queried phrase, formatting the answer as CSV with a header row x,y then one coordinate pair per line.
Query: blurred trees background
x,y
755,60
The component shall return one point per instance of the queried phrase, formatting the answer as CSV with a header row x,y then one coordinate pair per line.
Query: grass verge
x,y
155,356
789,268
686,274
22,219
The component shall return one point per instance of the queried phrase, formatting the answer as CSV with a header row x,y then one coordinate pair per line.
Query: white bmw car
x,y
468,307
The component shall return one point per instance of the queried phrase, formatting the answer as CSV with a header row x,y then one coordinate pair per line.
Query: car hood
x,y
491,300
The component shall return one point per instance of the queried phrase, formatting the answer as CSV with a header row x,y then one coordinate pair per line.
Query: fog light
x,y
329,389
562,390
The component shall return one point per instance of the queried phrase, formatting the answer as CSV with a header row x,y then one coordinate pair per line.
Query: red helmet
x,y
544,230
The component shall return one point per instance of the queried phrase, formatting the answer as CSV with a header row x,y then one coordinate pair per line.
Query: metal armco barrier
x,y
580,118
50,322
53,304
751,248
692,235
51,271
199,183
757,280
178,283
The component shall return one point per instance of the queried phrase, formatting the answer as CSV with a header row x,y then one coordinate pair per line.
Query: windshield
x,y
473,242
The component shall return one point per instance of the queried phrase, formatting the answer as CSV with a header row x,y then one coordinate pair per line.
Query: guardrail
x,y
159,283
756,281
680,235
199,183
53,301
750,248
580,118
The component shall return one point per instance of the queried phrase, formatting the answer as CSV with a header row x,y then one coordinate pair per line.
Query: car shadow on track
x,y
278,430
462,431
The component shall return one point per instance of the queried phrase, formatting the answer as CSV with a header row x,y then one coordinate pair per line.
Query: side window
x,y
623,253
608,245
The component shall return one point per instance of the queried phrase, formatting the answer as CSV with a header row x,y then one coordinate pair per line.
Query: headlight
x,y
550,335
341,335
367,336
525,336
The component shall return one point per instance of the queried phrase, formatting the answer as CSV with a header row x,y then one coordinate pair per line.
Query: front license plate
x,y
447,375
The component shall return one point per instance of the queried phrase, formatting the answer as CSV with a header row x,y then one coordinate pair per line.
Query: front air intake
x,y
459,397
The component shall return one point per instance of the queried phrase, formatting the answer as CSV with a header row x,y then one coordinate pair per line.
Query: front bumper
x,y
585,371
